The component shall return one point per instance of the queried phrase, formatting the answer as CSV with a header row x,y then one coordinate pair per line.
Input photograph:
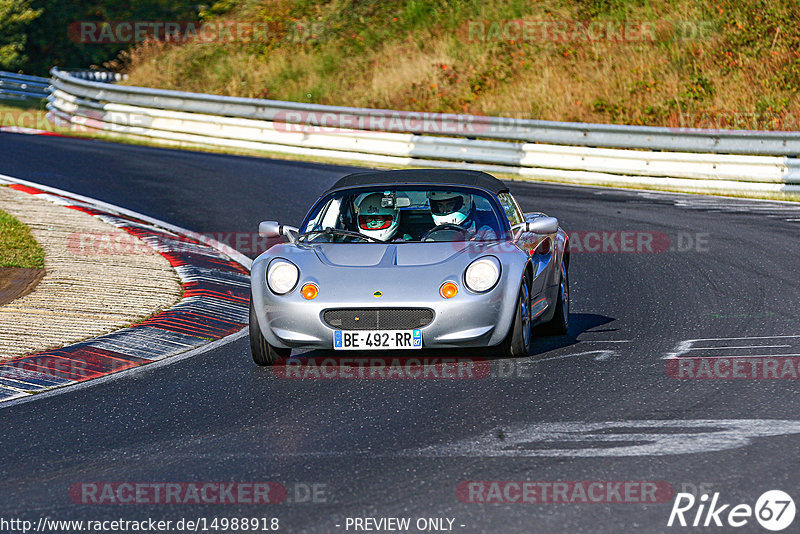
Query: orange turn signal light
x,y
310,291
448,290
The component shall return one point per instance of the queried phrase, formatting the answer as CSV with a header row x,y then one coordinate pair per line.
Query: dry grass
x,y
743,71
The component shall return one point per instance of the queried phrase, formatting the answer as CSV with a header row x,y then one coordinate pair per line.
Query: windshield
x,y
405,215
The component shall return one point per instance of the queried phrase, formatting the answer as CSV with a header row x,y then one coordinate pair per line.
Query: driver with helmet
x,y
377,220
458,209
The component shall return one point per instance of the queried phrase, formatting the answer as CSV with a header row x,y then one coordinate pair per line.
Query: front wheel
x,y
517,343
263,353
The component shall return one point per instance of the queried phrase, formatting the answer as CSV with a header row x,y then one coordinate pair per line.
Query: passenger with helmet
x,y
379,218
450,207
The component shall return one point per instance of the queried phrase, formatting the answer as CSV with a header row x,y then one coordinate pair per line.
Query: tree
x,y
15,16
50,44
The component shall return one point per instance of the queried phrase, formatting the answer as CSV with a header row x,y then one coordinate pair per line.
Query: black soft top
x,y
422,176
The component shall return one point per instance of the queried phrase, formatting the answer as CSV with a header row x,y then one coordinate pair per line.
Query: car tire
x,y
517,343
263,353
559,324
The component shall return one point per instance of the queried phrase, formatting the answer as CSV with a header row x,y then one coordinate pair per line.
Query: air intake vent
x,y
378,318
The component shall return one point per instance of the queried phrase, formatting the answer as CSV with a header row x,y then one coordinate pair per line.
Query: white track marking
x,y
743,356
723,435
605,355
751,337
587,440
683,348
743,347
601,356
772,208
612,438
769,208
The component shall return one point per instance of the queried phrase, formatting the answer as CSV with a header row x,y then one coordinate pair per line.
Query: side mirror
x,y
269,229
272,229
543,225
540,225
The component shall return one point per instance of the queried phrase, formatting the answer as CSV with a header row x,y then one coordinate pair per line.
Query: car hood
x,y
390,254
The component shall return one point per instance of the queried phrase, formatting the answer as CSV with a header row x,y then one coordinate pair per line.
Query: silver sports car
x,y
410,259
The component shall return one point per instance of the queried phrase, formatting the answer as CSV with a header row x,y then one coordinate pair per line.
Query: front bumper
x,y
466,320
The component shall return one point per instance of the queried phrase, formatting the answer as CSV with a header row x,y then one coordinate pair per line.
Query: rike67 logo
x,y
774,510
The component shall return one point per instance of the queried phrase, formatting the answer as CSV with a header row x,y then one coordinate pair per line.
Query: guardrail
x,y
687,159
22,87
96,75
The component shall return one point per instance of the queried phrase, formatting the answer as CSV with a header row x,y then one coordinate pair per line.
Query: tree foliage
x,y
15,17
43,40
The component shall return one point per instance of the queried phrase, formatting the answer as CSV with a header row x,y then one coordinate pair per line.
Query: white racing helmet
x,y
376,219
449,207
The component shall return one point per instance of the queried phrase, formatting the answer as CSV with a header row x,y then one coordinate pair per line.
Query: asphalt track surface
x,y
400,448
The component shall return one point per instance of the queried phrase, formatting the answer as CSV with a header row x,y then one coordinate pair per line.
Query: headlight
x,y
482,274
282,276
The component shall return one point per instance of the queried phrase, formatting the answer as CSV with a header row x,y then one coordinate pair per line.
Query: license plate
x,y
377,339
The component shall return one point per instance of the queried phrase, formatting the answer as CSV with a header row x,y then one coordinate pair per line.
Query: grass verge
x,y
18,248
24,114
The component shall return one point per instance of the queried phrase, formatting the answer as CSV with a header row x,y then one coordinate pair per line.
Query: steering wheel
x,y
442,227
